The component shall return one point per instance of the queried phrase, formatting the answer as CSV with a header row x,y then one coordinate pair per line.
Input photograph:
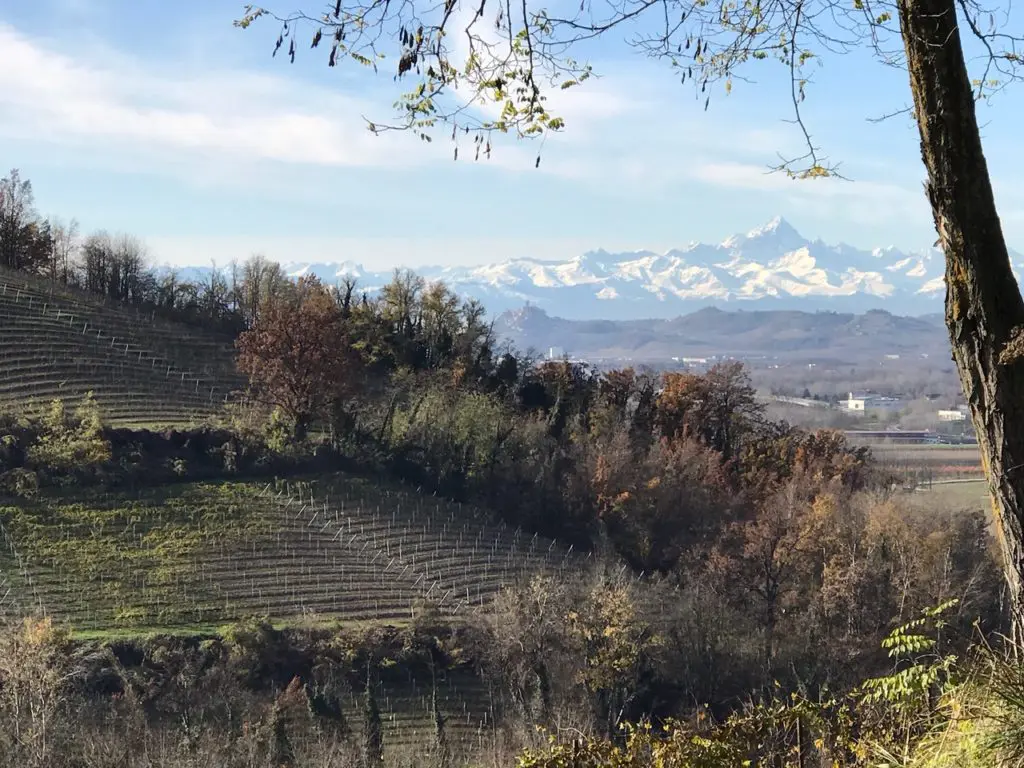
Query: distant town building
x,y
869,437
803,402
892,357
868,401
956,415
556,353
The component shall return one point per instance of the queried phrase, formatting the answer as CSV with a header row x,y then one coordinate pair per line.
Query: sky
x,y
165,121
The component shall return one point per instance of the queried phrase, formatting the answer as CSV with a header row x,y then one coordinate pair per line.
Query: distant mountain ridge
x,y
771,267
784,336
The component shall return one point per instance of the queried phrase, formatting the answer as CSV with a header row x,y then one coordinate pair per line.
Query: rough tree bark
x,y
984,309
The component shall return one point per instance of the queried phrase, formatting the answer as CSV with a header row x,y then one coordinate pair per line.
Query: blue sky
x,y
177,127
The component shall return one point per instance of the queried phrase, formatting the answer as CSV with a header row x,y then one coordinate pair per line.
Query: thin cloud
x,y
46,93
110,102
230,126
863,201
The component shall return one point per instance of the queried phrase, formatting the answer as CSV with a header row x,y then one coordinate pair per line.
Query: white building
x,y
868,401
803,402
951,415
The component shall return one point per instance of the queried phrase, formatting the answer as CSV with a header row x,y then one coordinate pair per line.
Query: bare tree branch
x,y
482,80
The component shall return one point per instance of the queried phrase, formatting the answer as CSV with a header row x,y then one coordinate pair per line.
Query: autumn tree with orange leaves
x,y
717,408
298,357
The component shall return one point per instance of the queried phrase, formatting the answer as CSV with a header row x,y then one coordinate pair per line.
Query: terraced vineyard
x,y
199,554
407,721
338,548
144,372
192,556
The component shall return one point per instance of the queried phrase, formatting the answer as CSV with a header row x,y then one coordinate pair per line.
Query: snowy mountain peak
x,y
777,231
770,267
777,227
329,272
594,259
350,269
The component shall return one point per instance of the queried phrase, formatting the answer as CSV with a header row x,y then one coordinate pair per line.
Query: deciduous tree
x,y
719,408
297,355
24,237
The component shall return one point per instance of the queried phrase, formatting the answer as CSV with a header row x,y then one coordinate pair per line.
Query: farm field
x,y
143,372
930,461
201,554
971,494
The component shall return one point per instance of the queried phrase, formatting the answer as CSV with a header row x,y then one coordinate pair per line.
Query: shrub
x,y
69,444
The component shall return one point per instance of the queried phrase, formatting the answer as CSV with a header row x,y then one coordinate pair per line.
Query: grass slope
x,y
144,372
201,554
191,557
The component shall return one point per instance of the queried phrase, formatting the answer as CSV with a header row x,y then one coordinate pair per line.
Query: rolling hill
x,y
333,550
205,553
144,371
789,336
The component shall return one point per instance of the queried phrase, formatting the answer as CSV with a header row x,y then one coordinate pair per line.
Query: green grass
x,y
131,560
971,494
189,557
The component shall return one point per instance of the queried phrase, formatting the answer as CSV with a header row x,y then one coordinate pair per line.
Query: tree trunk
x,y
300,428
984,309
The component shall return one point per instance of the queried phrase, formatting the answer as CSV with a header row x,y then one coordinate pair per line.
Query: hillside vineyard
x,y
201,554
58,343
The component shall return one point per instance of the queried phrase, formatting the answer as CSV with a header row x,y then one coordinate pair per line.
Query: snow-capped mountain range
x,y
772,267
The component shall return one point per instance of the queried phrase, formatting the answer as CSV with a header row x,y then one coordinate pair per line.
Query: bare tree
x,y
24,238
95,262
261,281
216,294
66,243
461,55
115,266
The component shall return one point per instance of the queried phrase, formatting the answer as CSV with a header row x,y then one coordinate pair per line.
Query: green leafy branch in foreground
x,y
881,723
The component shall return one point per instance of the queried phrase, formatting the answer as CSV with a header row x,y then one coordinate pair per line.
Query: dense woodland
x,y
738,562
